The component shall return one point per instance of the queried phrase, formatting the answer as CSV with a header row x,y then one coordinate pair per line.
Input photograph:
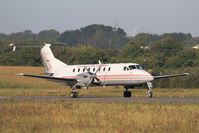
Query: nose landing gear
x,y
149,87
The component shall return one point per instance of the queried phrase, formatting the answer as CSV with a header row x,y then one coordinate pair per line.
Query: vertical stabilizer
x,y
51,64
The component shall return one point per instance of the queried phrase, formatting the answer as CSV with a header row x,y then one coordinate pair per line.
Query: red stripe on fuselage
x,y
120,77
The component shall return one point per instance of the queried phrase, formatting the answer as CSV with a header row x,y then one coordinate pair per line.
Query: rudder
x,y
51,64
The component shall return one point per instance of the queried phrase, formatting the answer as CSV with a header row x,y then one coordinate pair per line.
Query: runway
x,y
161,100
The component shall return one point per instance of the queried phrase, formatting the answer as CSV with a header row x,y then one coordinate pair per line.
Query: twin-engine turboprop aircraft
x,y
128,75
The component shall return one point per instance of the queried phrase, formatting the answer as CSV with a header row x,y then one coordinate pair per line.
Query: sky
x,y
134,16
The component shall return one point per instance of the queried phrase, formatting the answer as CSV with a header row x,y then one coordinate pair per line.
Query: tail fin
x,y
51,64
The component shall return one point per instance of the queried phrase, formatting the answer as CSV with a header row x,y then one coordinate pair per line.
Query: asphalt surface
x,y
161,100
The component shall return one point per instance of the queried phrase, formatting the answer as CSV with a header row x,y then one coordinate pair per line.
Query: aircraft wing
x,y
55,79
172,75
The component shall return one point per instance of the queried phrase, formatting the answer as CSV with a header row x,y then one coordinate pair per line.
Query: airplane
x,y
128,75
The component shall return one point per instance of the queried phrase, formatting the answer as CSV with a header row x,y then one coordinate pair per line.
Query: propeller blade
x,y
88,70
93,75
98,69
89,82
99,81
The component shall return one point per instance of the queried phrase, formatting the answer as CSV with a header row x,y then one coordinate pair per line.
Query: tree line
x,y
98,36
159,54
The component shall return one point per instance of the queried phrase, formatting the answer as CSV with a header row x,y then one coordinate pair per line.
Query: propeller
x,y
93,76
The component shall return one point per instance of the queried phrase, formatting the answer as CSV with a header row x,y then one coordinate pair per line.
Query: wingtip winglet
x,y
187,74
20,74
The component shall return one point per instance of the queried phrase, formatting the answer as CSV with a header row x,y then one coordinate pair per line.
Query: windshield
x,y
139,67
131,67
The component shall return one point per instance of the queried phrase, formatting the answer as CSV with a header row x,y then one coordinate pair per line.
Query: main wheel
x,y
73,94
127,94
150,94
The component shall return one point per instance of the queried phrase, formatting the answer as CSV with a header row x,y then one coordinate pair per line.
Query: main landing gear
x,y
127,93
74,93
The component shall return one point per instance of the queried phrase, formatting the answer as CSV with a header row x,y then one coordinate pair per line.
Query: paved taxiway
x,y
161,100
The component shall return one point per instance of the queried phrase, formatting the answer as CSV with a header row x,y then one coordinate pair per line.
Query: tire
x,y
127,94
74,95
150,95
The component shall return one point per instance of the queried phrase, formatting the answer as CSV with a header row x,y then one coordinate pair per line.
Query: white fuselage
x,y
109,74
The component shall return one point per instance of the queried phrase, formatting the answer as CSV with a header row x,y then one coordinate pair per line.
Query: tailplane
x,y
51,64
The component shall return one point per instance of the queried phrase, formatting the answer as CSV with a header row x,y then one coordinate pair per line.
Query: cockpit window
x,y
139,67
132,67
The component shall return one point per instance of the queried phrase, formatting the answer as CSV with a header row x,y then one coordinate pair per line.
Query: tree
x,y
167,46
184,58
48,36
98,36
71,38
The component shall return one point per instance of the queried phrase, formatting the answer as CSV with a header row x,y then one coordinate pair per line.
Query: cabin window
x,y
78,69
93,69
104,69
74,70
125,68
84,70
89,69
109,69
